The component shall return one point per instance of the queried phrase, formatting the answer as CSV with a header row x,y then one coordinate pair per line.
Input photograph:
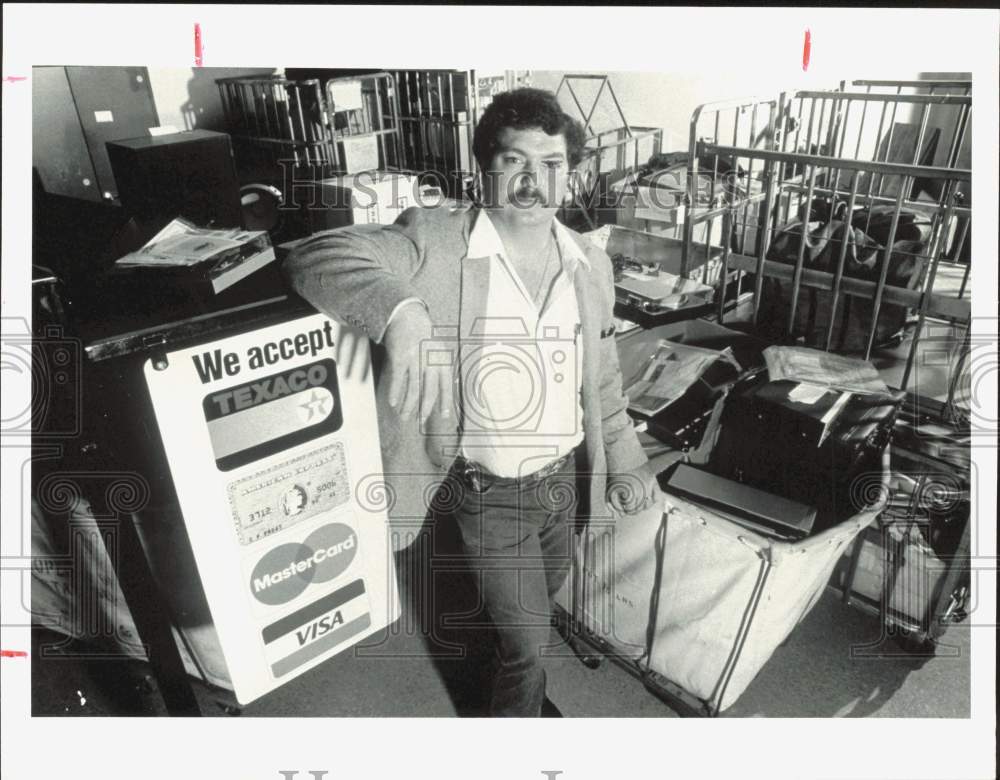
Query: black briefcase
x,y
747,506
767,441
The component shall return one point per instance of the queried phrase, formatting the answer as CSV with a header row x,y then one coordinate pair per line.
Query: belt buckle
x,y
472,477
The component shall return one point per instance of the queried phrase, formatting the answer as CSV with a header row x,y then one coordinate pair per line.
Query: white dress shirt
x,y
521,370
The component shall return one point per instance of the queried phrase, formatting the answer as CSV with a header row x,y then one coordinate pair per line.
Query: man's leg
x,y
500,529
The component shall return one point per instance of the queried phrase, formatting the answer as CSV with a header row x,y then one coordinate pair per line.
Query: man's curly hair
x,y
522,109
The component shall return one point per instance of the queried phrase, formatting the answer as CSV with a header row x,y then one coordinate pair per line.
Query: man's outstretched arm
x,y
361,276
631,485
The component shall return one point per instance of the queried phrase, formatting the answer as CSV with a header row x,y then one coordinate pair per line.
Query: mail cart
x,y
694,604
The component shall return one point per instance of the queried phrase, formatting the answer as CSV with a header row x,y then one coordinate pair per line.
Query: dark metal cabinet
x,y
75,111
59,150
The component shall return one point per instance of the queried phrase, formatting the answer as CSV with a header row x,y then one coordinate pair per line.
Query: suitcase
x,y
750,507
894,572
913,571
852,319
765,440
682,425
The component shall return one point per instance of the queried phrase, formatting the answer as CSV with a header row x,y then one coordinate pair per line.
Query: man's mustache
x,y
530,192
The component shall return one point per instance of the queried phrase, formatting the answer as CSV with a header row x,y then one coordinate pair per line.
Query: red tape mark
x,y
197,45
13,653
806,50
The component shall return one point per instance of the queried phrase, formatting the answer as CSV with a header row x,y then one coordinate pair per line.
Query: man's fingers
x,y
447,395
347,350
397,384
631,498
412,386
436,388
355,352
428,392
338,350
366,364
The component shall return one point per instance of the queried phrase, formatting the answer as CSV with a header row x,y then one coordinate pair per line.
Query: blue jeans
x,y
518,536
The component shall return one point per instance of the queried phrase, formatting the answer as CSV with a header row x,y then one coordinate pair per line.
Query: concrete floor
x,y
812,675
835,663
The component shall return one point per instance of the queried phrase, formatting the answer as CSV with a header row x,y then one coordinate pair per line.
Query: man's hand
x,y
410,382
632,492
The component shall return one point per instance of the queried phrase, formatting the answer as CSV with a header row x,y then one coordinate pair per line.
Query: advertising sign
x,y
267,437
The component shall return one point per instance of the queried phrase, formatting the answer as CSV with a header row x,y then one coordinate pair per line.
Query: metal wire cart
x,y
311,124
837,220
287,132
610,153
892,158
439,110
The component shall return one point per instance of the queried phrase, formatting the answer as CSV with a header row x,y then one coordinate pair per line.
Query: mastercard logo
x,y
285,571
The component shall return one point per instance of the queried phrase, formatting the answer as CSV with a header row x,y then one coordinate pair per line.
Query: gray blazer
x,y
358,275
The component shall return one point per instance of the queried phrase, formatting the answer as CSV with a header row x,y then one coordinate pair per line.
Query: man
x,y
502,371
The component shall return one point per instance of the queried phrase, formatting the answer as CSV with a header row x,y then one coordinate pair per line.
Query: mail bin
x,y
696,603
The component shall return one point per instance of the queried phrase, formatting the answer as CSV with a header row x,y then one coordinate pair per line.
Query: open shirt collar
x,y
484,241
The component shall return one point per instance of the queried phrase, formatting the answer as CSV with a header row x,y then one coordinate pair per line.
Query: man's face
x,y
528,176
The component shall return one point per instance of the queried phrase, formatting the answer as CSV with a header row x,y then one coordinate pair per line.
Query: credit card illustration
x,y
251,421
316,628
288,493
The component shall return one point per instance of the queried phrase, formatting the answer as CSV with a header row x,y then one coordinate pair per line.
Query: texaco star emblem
x,y
315,406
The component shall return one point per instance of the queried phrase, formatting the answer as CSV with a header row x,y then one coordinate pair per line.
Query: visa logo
x,y
319,627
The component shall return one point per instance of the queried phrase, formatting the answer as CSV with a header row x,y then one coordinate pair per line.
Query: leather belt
x,y
478,479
